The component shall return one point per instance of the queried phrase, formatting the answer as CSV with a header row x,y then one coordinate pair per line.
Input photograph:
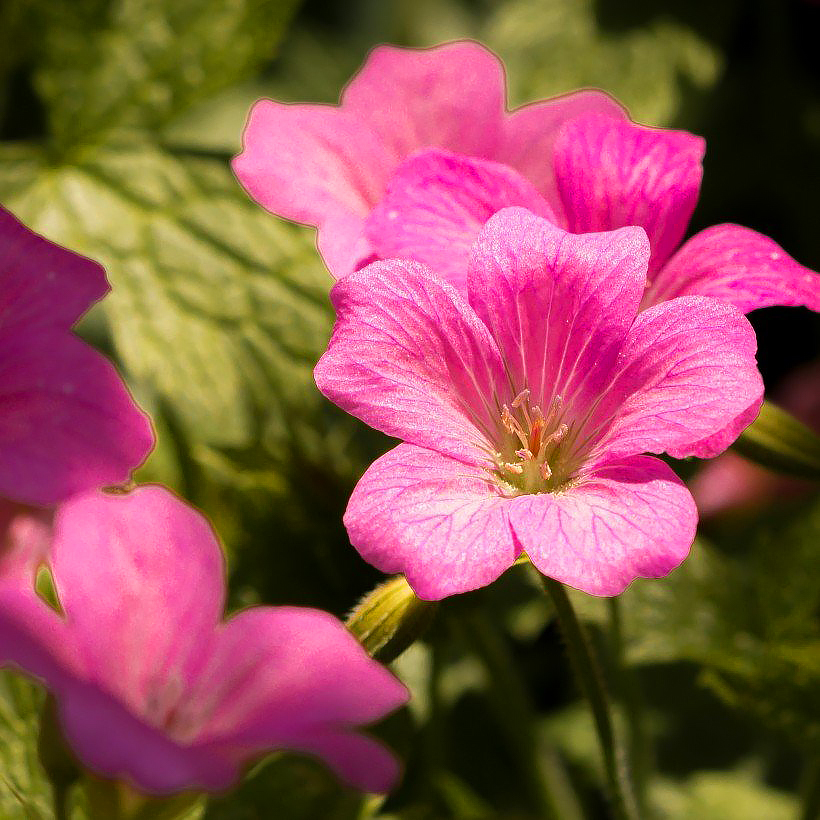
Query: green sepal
x,y
390,618
777,440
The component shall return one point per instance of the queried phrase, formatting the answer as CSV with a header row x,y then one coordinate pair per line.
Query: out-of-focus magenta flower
x,y
67,422
152,686
527,406
731,482
421,153
329,166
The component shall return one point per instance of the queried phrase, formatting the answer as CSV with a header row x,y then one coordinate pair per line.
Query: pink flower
x,y
526,407
609,173
67,422
329,166
152,686
421,153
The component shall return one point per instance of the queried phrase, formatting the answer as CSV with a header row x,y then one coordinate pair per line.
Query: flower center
x,y
529,459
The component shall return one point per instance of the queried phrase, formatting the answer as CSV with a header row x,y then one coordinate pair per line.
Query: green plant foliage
x,y
25,792
650,68
748,619
110,64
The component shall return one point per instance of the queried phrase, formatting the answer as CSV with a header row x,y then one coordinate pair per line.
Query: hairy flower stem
x,y
589,676
631,698
546,779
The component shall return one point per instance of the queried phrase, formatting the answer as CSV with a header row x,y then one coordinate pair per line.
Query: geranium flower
x,y
526,408
153,687
421,153
329,166
67,422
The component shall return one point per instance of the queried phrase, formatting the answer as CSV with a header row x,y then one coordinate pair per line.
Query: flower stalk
x,y
587,671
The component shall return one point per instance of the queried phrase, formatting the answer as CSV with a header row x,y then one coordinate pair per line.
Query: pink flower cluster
x,y
514,304
151,685
534,329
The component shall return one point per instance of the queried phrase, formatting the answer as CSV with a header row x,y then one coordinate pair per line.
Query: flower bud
x,y
390,618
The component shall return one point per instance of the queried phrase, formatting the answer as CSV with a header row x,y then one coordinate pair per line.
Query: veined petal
x,y
451,96
628,519
687,370
559,305
140,578
441,523
287,677
43,285
530,133
436,204
613,173
409,357
315,164
67,422
737,265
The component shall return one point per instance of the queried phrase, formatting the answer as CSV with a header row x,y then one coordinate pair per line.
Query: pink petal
x,y
25,541
451,96
67,422
530,133
359,760
409,357
115,743
687,371
295,678
436,204
441,523
315,164
42,284
629,519
738,265
613,173
140,579
33,638
559,305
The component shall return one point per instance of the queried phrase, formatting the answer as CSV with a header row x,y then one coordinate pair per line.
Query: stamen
x,y
524,455
513,468
522,396
546,471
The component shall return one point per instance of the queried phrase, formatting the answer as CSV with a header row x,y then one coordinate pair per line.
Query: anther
x,y
513,468
524,455
546,471
522,396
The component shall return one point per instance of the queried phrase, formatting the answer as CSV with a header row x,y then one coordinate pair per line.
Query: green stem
x,y
548,783
589,677
632,701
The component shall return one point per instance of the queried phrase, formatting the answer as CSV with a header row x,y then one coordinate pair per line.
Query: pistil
x,y
537,439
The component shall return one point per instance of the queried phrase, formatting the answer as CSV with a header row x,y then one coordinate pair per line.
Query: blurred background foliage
x,y
117,121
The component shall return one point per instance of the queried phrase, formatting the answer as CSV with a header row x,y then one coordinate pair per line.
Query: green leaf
x,y
25,791
721,795
648,67
110,64
216,305
779,441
